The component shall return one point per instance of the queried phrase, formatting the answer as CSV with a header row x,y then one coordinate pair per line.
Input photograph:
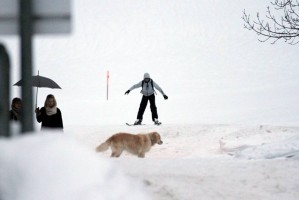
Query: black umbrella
x,y
40,81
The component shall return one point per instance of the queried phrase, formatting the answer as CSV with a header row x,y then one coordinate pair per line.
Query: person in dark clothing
x,y
49,115
148,90
16,108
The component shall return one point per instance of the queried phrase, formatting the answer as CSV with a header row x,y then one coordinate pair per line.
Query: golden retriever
x,y
135,144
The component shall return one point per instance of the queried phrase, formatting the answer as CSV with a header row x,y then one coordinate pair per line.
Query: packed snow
x,y
256,162
230,127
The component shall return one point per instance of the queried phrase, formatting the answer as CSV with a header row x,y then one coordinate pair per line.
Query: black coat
x,y
13,116
53,121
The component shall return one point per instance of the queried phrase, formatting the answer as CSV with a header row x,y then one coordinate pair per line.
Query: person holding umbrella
x,y
38,82
49,115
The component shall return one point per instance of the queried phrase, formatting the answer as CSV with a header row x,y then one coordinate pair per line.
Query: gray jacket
x,y
147,89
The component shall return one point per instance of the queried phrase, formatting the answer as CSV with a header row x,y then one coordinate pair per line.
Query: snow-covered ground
x,y
230,126
256,162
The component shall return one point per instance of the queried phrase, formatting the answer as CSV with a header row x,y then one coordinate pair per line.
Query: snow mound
x,y
54,166
288,148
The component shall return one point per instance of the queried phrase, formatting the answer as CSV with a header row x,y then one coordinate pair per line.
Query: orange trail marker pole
x,y
107,84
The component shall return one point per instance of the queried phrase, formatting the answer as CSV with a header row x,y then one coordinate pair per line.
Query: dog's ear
x,y
153,138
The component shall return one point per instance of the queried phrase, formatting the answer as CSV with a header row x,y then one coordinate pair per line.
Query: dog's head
x,y
155,138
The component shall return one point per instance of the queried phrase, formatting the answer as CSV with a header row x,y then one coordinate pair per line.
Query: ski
x,y
156,124
134,124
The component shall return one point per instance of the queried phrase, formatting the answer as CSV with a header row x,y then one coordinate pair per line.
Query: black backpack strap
x,y
152,84
150,81
142,82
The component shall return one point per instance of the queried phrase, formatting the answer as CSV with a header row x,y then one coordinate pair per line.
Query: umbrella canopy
x,y
40,81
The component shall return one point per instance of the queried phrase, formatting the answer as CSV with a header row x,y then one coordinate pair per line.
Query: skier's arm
x,y
136,86
158,88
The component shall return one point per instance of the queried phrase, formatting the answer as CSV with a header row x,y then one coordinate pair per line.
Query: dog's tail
x,y
104,146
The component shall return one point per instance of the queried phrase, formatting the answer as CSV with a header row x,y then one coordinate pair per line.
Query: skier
x,y
148,90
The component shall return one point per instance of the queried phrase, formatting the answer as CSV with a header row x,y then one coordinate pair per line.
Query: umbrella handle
x,y
36,92
36,97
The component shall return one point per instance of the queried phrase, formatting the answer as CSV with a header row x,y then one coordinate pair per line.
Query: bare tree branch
x,y
285,27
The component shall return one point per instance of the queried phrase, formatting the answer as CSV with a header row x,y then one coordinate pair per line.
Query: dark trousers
x,y
143,105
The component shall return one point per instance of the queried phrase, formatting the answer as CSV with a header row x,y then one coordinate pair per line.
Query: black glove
x,y
37,111
165,97
127,92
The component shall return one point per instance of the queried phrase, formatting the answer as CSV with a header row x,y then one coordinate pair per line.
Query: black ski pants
x,y
143,105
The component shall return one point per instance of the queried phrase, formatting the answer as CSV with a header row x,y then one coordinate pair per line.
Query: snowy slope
x,y
189,165
198,52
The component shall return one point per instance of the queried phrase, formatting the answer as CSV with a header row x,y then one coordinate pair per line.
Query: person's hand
x,y
127,92
37,111
165,97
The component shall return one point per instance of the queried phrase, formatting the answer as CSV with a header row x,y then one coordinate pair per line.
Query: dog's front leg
x,y
115,154
141,155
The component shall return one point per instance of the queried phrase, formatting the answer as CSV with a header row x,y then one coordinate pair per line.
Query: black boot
x,y
138,122
156,121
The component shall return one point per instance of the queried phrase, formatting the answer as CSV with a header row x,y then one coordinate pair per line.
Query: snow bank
x,y
54,166
287,148
188,166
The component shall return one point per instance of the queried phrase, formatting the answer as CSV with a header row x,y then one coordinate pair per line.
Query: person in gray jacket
x,y
148,87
